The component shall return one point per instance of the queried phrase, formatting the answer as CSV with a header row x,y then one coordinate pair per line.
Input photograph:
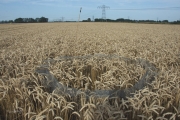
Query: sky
x,y
69,9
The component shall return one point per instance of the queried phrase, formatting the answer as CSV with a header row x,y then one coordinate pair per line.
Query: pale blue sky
x,y
69,9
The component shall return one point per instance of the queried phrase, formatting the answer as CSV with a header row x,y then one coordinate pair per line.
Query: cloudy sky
x,y
69,9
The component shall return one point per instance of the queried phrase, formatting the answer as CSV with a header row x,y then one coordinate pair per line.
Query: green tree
x,y
165,21
43,19
19,20
89,19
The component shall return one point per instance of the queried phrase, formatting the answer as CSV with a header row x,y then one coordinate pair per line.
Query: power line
x,y
89,13
166,8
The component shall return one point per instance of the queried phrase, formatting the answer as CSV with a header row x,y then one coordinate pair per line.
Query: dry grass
x,y
23,47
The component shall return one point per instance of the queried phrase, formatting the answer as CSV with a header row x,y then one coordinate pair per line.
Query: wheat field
x,y
26,92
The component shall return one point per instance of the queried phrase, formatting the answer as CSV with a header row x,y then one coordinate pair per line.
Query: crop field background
x,y
27,94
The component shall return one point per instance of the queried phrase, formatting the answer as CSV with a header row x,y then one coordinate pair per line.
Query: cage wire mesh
x,y
53,84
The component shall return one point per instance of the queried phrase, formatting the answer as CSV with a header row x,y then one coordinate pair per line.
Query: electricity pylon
x,y
103,7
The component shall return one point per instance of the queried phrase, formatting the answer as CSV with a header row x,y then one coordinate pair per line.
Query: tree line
x,y
131,21
26,20
44,19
